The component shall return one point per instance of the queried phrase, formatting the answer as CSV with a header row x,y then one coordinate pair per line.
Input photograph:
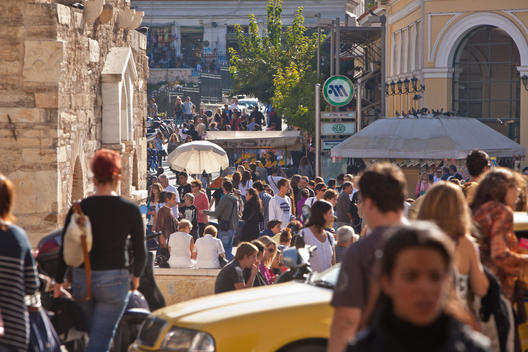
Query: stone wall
x,y
178,285
51,59
181,75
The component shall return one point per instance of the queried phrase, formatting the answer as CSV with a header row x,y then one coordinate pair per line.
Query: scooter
x,y
297,259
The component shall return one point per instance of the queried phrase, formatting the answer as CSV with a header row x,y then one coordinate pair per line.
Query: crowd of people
x,y
468,223
415,273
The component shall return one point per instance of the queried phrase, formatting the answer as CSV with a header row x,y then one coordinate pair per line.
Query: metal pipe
x,y
318,51
332,50
317,130
383,20
337,45
358,106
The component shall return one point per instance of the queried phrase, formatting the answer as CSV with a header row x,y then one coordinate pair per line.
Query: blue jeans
x,y
227,241
105,309
188,117
179,118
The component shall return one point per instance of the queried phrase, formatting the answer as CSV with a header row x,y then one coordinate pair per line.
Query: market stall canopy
x,y
426,138
290,140
197,157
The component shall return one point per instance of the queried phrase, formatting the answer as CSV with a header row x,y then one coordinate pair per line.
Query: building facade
x,y
186,33
463,56
71,81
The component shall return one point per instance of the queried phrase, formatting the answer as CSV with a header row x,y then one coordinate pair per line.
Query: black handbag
x,y
222,261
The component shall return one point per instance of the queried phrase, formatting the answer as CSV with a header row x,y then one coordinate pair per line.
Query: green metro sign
x,y
338,90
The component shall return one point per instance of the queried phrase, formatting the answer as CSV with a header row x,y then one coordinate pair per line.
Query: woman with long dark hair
x,y
154,203
19,274
113,220
252,216
315,234
235,179
245,183
414,307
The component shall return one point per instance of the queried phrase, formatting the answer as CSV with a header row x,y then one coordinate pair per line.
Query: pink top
x,y
201,202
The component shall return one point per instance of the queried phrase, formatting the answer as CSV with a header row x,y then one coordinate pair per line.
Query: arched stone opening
x,y
118,76
486,82
77,181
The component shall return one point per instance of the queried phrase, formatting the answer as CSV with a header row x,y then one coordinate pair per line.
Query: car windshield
x,y
327,278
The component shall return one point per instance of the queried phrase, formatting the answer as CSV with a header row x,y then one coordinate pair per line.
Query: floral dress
x,y
499,246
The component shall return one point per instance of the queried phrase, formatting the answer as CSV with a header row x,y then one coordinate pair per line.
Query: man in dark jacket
x,y
226,211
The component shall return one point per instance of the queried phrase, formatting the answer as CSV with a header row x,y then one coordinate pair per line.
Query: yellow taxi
x,y
289,317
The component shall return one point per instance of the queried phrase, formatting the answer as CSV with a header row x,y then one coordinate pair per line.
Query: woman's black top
x,y
252,216
389,333
113,219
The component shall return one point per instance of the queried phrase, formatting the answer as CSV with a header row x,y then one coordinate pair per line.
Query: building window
x,y
486,81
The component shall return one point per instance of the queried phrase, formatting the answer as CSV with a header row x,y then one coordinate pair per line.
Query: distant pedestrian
x,y
343,208
178,112
345,236
305,168
280,206
188,109
226,211
153,108
252,216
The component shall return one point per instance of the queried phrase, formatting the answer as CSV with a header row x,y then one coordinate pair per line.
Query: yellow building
x,y
465,56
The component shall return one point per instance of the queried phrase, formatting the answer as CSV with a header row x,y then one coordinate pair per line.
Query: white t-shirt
x,y
207,250
280,209
180,253
243,189
322,257
171,188
310,201
273,182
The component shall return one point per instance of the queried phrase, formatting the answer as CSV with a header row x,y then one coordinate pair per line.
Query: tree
x,y
277,65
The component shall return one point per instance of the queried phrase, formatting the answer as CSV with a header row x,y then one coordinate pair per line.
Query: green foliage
x,y
277,66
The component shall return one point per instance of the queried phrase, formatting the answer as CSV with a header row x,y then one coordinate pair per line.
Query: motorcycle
x,y
297,260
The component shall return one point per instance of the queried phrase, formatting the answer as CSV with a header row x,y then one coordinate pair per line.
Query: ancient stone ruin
x,y
72,80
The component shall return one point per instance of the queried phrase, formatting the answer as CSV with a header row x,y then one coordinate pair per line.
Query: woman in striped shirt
x,y
18,274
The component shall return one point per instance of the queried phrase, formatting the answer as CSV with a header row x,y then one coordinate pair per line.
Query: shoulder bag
x,y
224,225
78,243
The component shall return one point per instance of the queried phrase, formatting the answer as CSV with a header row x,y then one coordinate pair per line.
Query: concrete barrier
x,y
178,285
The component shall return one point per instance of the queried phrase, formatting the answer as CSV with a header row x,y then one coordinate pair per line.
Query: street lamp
x,y
525,81
400,83
406,85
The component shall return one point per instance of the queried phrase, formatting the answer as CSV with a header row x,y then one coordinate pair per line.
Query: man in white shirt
x,y
188,109
280,207
273,180
234,106
164,181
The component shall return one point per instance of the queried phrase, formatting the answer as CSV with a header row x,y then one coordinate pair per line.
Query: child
x,y
189,212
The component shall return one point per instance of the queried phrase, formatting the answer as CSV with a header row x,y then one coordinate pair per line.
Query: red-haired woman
x,y
18,274
113,219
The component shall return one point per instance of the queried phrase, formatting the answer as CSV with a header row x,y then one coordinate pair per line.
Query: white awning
x,y
289,140
426,138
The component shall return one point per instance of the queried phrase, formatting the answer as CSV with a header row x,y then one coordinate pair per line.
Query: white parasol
x,y
197,157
